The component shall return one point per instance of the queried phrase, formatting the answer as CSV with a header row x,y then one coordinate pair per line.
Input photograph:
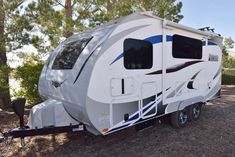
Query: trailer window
x,y
138,54
185,47
67,58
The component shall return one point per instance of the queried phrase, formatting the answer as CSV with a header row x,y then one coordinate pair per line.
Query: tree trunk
x,y
4,73
68,18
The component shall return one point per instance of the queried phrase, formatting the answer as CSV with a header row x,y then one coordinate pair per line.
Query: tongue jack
x,y
2,138
18,106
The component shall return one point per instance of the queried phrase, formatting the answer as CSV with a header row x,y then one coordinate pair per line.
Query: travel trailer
x,y
125,73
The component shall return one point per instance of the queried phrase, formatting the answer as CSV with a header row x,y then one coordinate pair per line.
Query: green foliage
x,y
4,87
48,25
228,77
228,43
17,27
28,76
167,9
228,62
75,16
102,11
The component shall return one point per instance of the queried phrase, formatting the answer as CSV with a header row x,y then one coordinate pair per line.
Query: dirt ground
x,y
213,135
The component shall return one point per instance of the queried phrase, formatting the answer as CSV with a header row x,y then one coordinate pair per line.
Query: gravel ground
x,y
213,135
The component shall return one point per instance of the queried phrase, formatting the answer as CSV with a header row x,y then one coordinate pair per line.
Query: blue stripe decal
x,y
149,107
211,42
120,127
118,57
168,38
134,117
154,39
204,43
158,39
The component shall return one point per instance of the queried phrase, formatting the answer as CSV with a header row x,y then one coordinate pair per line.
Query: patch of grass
x,y
228,77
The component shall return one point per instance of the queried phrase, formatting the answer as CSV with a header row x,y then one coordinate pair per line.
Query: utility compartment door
x,y
148,101
122,86
123,102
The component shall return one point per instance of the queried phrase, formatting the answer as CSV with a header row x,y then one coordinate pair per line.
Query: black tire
x,y
195,111
179,119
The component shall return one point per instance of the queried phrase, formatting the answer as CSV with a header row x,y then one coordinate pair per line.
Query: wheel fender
x,y
189,102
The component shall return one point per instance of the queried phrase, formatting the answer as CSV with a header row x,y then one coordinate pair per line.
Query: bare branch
x,y
58,2
19,2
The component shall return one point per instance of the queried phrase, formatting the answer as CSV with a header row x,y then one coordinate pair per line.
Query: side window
x,y
138,54
185,47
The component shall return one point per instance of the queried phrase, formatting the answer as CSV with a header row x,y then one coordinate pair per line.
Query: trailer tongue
x,y
37,126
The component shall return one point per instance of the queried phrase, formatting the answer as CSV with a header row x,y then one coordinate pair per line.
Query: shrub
x,y
28,76
228,77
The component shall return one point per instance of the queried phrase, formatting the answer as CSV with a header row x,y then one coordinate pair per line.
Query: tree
x,y
4,80
228,62
53,21
102,11
68,16
167,9
13,35
228,43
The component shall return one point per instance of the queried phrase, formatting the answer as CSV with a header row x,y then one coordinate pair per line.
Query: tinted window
x,y
68,56
138,54
184,47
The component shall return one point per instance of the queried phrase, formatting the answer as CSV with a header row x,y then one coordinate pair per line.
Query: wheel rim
x,y
183,117
196,111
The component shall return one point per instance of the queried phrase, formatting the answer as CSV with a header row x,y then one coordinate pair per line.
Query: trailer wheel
x,y
180,118
195,111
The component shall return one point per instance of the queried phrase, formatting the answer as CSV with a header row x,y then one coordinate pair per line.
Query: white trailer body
x,y
130,70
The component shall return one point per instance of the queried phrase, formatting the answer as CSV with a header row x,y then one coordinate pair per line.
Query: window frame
x,y
186,37
151,55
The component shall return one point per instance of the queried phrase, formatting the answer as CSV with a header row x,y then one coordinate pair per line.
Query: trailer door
x,y
141,57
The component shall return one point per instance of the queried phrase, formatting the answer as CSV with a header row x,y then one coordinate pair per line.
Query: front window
x,y
69,54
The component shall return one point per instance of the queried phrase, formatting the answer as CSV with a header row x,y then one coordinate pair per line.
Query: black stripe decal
x,y
161,108
190,83
84,62
175,68
217,73
158,94
155,72
123,87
